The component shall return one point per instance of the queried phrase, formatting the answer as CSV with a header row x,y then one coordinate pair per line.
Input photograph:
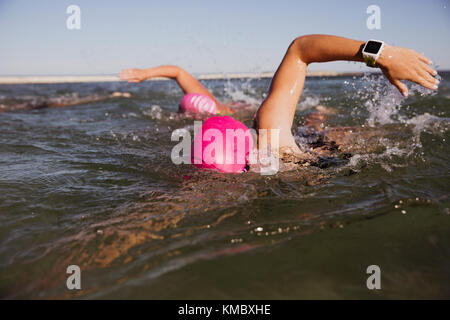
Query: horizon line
x,y
31,79
49,79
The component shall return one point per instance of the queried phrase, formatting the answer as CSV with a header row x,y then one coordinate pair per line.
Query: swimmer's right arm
x,y
185,80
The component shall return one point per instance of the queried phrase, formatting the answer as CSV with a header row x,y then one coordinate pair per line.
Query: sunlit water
x,y
93,185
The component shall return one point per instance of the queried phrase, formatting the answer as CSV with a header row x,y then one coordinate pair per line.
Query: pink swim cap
x,y
198,103
224,144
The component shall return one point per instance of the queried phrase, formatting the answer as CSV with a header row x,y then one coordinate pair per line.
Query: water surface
x,y
93,185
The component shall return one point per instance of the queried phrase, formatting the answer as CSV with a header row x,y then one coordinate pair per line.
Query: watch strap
x,y
370,62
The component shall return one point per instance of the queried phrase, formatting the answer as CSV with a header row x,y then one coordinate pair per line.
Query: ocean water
x,y
93,185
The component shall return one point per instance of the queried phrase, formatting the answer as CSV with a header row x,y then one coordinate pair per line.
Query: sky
x,y
203,36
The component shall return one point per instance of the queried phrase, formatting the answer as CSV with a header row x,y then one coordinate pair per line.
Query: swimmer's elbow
x,y
298,47
172,71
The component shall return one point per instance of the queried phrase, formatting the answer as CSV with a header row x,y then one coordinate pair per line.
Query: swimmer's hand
x,y
133,75
117,94
224,110
398,64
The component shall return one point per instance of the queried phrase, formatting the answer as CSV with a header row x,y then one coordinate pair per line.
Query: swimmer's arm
x,y
185,80
396,63
277,111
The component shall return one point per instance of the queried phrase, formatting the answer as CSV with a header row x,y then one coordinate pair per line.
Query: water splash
x,y
308,102
382,100
242,92
155,112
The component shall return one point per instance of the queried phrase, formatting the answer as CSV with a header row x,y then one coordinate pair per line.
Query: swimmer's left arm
x,y
396,63
278,109
184,79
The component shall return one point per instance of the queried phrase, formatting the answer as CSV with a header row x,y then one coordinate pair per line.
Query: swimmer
x,y
197,98
278,109
63,101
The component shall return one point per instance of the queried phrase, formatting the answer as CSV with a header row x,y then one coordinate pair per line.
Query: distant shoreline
x,y
112,78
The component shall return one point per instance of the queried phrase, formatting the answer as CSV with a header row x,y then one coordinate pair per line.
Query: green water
x,y
93,185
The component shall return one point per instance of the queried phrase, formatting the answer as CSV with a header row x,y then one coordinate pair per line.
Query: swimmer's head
x,y
198,103
224,144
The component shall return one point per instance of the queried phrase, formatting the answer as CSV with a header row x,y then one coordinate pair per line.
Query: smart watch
x,y
371,51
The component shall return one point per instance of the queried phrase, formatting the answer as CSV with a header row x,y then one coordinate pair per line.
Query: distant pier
x,y
114,78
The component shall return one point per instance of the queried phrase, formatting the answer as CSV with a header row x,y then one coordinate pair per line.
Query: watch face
x,y
372,47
